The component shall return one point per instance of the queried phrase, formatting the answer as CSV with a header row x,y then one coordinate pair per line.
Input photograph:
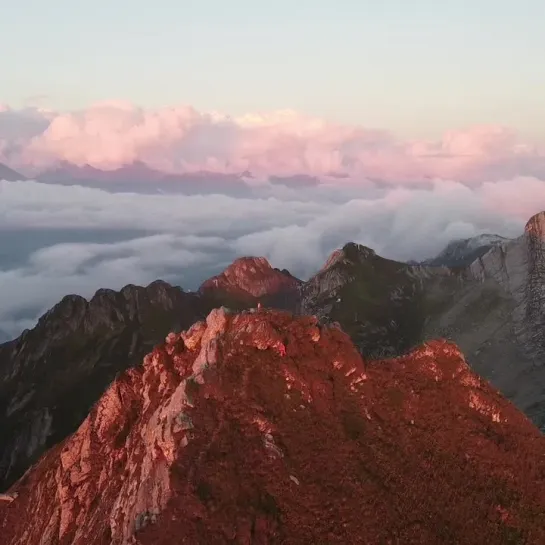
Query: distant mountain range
x,y
9,174
460,253
139,176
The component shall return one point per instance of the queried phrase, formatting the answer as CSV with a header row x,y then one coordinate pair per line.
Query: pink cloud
x,y
181,139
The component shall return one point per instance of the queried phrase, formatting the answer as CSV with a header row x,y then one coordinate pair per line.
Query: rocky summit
x,y
264,428
249,280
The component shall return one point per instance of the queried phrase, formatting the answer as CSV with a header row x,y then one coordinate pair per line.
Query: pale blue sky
x,y
417,67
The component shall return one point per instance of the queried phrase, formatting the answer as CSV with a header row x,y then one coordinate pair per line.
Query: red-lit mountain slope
x,y
262,428
251,279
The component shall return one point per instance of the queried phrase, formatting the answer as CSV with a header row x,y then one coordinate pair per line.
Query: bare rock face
x,y
519,266
536,226
263,428
535,287
336,271
254,278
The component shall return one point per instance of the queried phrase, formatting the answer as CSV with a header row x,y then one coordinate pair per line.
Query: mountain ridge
x,y
462,252
262,427
76,349
143,177
10,175
386,307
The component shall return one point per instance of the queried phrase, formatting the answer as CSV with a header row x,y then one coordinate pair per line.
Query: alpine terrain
x,y
348,408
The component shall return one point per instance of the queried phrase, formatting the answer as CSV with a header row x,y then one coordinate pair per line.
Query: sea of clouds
x,y
406,200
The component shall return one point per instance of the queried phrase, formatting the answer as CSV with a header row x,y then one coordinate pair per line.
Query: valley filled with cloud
x,y
56,240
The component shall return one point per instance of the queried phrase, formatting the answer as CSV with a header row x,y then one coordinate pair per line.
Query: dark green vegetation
x,y
383,305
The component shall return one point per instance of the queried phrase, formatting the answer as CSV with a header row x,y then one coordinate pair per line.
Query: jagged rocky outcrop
x,y
263,428
51,376
535,286
516,273
251,279
519,267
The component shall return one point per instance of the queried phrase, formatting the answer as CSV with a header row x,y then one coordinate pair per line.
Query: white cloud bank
x,y
182,139
181,238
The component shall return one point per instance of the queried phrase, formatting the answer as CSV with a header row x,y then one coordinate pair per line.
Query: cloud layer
x,y
89,238
396,196
182,139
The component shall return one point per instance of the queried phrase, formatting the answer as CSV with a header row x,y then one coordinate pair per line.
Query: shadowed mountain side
x,y
494,309
52,375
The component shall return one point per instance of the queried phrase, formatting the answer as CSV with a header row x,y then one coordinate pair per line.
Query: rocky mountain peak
x,y
536,226
354,251
350,252
519,268
67,311
247,263
253,276
259,427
